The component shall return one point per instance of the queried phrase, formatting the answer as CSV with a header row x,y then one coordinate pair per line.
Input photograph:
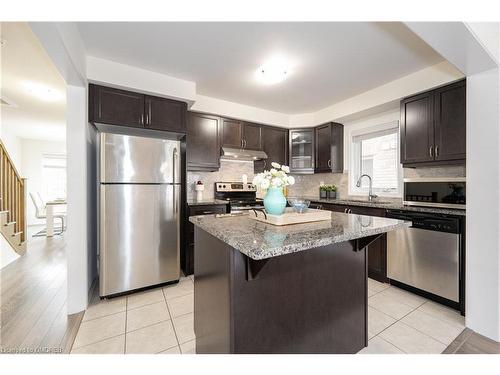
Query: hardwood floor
x,y
33,300
470,342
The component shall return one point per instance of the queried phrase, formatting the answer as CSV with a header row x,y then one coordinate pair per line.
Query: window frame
x,y
355,159
54,156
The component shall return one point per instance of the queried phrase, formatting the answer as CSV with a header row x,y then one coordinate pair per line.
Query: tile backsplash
x,y
229,171
305,185
308,185
443,171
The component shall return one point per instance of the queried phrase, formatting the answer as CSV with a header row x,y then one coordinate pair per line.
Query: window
x,y
54,176
376,153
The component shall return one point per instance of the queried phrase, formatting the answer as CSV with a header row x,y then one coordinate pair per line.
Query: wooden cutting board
x,y
290,217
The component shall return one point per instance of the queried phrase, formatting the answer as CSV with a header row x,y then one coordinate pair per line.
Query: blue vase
x,y
275,201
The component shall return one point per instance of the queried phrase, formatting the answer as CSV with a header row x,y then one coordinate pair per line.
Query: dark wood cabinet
x,y
202,142
165,114
117,107
432,126
252,137
417,129
449,122
187,252
240,134
275,145
231,133
377,250
126,108
329,148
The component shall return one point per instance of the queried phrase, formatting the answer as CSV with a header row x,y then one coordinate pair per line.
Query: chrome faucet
x,y
371,196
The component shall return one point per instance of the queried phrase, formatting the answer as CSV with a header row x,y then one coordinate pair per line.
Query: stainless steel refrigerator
x,y
139,221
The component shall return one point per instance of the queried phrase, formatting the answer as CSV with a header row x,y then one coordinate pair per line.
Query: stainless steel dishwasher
x,y
426,255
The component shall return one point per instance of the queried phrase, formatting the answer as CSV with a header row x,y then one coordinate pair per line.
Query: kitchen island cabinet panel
x,y
278,310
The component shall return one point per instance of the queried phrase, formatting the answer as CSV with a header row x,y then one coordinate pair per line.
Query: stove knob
x,y
224,186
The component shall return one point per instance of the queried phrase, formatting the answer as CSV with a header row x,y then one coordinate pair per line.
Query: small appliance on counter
x,y
240,196
199,188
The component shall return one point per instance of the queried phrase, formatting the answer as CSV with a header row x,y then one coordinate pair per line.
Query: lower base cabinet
x,y
377,250
187,251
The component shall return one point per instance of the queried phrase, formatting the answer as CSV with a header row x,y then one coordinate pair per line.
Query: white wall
x,y
129,77
483,203
64,46
208,104
32,153
13,145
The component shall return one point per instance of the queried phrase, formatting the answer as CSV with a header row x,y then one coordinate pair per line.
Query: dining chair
x,y
40,213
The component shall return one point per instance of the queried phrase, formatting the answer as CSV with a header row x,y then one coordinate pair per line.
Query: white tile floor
x,y
161,321
401,322
154,321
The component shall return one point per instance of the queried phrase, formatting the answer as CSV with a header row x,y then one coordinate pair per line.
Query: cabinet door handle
x,y
329,163
244,143
265,164
142,118
241,143
430,152
147,119
436,151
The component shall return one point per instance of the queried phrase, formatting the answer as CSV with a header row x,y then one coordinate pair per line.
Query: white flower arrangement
x,y
276,177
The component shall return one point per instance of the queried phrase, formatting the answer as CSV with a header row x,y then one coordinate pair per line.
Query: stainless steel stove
x,y
241,196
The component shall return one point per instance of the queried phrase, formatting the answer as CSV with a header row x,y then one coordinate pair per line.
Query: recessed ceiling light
x,y
43,92
273,71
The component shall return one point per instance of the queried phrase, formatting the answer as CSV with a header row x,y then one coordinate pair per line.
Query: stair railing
x,y
12,192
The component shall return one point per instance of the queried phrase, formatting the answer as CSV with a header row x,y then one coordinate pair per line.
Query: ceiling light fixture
x,y
43,92
274,71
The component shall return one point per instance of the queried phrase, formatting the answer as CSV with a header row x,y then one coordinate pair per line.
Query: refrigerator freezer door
x,y
131,159
139,236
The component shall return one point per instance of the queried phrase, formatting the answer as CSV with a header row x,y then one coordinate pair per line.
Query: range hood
x,y
242,154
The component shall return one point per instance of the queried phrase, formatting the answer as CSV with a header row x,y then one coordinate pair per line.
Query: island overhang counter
x,y
299,288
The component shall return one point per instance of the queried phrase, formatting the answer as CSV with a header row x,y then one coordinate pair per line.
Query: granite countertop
x,y
259,240
388,205
205,202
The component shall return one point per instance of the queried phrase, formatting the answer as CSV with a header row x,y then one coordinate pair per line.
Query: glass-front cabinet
x,y
302,150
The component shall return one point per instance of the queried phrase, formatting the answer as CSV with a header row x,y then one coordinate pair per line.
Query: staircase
x,y
12,203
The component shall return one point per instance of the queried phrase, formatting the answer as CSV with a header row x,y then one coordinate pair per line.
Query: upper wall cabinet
x,y
301,149
117,107
202,142
252,136
240,134
275,145
126,108
231,133
165,114
329,148
449,122
432,127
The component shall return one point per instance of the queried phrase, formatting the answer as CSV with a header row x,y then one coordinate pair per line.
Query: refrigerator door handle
x,y
175,162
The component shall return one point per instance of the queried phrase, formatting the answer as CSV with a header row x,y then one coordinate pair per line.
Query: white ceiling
x,y
24,60
330,61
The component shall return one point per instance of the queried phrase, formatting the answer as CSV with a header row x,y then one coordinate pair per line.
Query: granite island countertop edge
x,y
255,245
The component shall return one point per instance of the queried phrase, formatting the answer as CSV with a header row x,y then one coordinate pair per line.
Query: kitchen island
x,y
299,288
